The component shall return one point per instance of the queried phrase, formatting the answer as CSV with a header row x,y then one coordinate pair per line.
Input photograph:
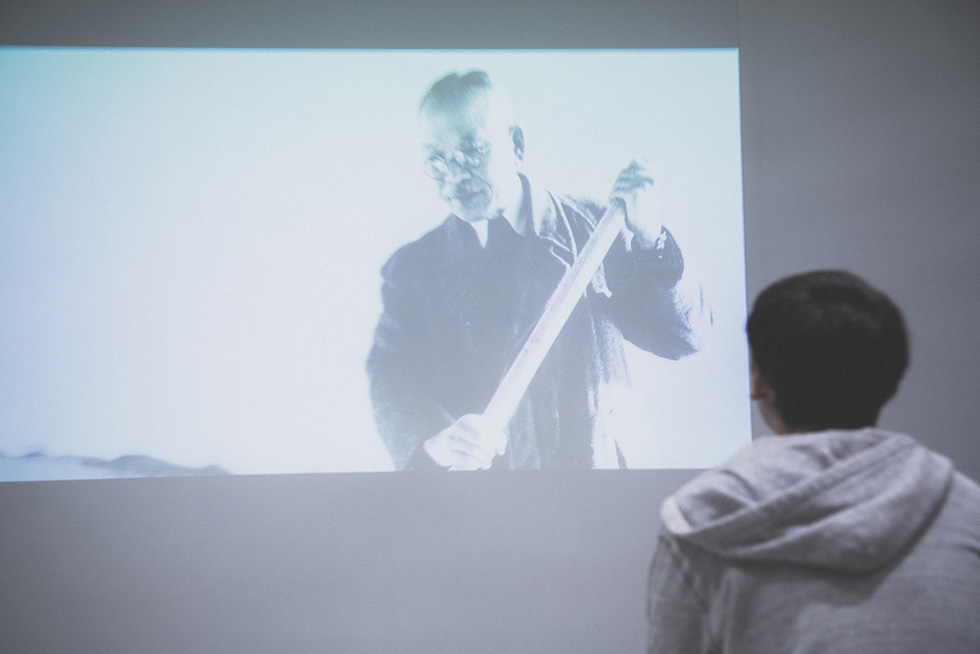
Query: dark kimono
x,y
456,314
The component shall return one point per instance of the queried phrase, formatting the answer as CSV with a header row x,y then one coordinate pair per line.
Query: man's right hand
x,y
470,443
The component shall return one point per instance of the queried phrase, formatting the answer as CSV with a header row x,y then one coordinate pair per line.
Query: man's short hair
x,y
832,347
455,89
454,92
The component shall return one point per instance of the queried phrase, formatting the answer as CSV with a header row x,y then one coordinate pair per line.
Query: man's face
x,y
473,157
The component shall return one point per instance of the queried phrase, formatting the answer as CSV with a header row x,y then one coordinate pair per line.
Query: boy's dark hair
x,y
832,347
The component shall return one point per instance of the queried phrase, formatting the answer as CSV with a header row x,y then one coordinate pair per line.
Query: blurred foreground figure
x,y
833,535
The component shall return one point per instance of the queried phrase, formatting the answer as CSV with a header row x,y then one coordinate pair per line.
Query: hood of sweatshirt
x,y
841,500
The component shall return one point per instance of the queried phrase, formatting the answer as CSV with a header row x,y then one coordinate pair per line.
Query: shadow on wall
x,y
38,465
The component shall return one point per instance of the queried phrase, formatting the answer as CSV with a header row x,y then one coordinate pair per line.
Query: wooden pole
x,y
559,307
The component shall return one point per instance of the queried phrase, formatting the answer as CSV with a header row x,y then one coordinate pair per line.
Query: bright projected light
x,y
191,244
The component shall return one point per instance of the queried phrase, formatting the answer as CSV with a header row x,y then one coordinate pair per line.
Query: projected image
x,y
230,261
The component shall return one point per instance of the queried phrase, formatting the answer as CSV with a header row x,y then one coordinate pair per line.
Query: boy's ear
x,y
760,388
765,398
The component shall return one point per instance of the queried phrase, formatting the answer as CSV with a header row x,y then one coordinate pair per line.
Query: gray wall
x,y
861,126
861,150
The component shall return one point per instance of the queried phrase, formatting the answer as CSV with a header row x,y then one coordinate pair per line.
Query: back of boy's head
x,y
832,347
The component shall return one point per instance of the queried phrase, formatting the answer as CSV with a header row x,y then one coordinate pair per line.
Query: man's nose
x,y
456,170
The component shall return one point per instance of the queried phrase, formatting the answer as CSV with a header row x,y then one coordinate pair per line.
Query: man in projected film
x,y
460,302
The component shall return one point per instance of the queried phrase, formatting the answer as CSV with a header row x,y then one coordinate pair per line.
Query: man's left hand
x,y
635,186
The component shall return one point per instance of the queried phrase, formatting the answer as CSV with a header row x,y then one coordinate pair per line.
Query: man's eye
x,y
435,166
477,150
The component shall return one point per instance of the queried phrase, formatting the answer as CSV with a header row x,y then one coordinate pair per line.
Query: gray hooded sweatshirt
x,y
861,542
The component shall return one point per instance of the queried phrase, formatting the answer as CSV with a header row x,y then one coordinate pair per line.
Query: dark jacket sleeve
x,y
647,300
400,371
656,306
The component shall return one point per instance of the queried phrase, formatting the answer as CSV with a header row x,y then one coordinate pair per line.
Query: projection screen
x,y
193,241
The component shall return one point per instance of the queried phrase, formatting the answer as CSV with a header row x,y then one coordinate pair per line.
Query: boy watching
x,y
832,535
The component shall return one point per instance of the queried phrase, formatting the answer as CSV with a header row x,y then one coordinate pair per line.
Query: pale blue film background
x,y
190,240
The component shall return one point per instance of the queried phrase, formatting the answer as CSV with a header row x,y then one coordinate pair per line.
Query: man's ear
x,y
517,134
